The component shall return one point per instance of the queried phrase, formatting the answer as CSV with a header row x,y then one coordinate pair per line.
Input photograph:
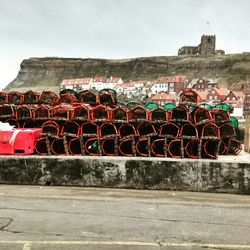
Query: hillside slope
x,y
40,73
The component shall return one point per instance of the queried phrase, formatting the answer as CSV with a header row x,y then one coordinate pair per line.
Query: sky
x,y
115,28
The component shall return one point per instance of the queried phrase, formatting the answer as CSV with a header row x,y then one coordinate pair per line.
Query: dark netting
x,y
192,149
210,149
206,105
109,146
227,130
31,124
179,113
106,99
107,129
63,112
146,129
51,128
158,147
131,105
175,148
68,99
169,129
89,128
31,97
100,112
138,113
71,128
188,130
210,130
126,147
120,113
69,91
48,97
88,97
81,112
142,147
92,146
75,146
15,98
43,112
42,146
126,130
24,112
220,116
235,147
201,115
3,98
7,111
57,147
158,114
223,148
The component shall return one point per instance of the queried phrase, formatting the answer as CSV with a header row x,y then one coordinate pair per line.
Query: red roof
x,y
125,85
163,96
239,94
177,78
100,79
76,81
202,94
222,91
115,79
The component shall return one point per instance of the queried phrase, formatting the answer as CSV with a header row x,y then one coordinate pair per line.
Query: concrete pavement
x,y
33,217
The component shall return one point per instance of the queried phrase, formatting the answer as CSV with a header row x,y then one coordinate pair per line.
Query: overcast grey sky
x,y
115,28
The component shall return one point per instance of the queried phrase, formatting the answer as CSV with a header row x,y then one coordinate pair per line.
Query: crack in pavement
x,y
57,234
125,216
9,221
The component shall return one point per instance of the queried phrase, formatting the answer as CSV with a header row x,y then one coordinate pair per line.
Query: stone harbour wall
x,y
230,174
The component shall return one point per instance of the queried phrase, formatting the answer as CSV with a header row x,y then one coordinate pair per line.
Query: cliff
x,y
41,73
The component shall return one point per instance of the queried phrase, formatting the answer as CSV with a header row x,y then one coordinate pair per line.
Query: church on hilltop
x,y
206,47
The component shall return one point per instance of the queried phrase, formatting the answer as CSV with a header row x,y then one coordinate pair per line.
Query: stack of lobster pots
x,y
91,123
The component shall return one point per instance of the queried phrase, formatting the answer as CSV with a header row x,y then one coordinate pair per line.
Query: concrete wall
x,y
227,174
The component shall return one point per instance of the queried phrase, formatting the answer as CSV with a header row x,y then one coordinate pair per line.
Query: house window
x,y
210,97
215,97
228,98
233,98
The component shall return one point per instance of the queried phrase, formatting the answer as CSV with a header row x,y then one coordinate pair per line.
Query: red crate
x,y
23,144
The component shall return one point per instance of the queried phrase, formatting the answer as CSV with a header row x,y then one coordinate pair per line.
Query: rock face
x,y
49,72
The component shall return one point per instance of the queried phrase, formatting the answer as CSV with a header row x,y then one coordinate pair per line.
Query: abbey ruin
x,y
206,47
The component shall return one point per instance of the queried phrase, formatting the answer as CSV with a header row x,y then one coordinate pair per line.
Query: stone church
x,y
206,47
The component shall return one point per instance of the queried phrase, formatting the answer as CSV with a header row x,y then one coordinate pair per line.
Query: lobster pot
x,y
88,97
127,130
43,112
48,97
31,97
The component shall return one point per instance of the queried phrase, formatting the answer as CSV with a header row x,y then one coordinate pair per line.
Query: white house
x,y
76,84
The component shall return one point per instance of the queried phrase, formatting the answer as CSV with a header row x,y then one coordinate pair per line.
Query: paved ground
x,y
33,217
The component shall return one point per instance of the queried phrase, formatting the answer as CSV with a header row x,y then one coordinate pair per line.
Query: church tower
x,y
207,45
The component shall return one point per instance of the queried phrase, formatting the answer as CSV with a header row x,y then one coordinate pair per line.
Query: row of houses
x,y
163,89
172,84
98,83
216,95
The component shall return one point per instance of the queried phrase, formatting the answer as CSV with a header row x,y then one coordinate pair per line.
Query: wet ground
x,y
33,217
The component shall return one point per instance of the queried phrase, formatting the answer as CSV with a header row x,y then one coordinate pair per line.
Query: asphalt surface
x,y
33,217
